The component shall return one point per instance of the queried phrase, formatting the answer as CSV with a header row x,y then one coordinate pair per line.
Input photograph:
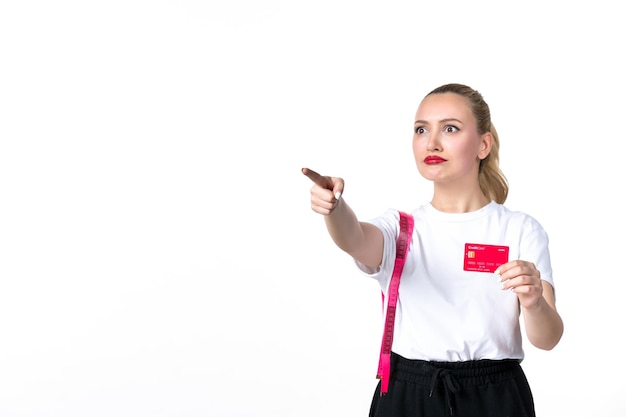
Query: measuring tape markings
x,y
402,249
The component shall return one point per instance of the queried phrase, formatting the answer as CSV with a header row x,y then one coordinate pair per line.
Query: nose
x,y
433,144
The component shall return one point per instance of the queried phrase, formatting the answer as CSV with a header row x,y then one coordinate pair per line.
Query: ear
x,y
486,142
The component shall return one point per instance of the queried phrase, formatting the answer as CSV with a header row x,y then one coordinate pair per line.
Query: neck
x,y
457,200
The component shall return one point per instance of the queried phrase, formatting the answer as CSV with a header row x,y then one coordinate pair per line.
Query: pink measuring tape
x,y
402,249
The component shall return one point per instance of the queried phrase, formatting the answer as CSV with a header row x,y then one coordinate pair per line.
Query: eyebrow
x,y
451,119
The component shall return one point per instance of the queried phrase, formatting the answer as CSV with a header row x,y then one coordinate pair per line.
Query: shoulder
x,y
391,216
387,221
526,222
518,214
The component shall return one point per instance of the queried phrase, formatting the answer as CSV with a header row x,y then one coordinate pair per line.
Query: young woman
x,y
472,269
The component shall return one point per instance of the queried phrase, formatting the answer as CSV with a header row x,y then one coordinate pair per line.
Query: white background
x,y
158,255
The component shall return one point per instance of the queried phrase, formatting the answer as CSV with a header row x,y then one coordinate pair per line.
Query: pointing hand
x,y
325,193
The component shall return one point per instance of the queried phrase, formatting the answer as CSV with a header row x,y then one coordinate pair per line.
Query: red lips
x,y
433,160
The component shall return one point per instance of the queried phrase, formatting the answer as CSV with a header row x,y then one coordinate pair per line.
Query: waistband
x,y
474,372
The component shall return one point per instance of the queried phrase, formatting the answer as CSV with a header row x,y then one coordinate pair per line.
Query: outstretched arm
x,y
361,240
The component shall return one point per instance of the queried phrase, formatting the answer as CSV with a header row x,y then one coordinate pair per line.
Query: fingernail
x,y
337,195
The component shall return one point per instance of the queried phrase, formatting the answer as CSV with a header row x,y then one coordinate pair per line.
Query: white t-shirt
x,y
446,313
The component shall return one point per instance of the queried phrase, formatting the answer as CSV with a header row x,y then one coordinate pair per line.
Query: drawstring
x,y
450,385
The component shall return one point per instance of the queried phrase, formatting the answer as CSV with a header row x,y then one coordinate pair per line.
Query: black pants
x,y
481,388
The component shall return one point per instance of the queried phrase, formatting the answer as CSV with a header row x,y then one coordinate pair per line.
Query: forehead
x,y
444,106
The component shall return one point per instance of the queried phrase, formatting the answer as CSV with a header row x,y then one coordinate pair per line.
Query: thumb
x,y
338,189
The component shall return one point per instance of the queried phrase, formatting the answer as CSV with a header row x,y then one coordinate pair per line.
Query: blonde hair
x,y
492,181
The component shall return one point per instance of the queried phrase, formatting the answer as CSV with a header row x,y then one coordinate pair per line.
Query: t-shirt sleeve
x,y
388,224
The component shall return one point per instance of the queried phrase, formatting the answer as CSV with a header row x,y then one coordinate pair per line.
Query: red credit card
x,y
484,258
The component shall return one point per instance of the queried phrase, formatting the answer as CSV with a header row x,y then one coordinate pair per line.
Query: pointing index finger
x,y
318,179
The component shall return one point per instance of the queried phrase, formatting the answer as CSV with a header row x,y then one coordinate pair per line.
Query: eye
x,y
419,130
450,129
